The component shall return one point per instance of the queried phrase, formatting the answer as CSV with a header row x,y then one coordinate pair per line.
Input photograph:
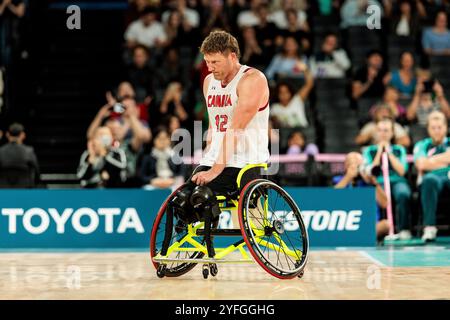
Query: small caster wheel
x,y
161,271
300,275
205,271
213,269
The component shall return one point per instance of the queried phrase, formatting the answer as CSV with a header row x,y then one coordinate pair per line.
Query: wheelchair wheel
x,y
273,229
180,230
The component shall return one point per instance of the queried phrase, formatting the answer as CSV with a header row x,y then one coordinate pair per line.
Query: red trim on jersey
x,y
261,109
247,69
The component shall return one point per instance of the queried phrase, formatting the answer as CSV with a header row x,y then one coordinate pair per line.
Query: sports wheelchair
x,y
270,224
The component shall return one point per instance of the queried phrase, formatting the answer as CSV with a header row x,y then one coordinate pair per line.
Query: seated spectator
x,y
405,22
180,31
172,123
189,16
125,90
128,132
252,53
398,166
171,69
356,177
140,74
215,19
161,168
147,31
368,80
331,61
286,63
432,160
267,33
369,133
19,166
436,40
249,18
390,100
281,19
404,79
172,102
429,97
289,110
354,12
102,165
297,144
295,30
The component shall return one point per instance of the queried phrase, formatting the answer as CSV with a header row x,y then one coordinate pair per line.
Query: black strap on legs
x,y
168,229
209,246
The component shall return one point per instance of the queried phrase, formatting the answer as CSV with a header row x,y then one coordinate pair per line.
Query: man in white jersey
x,y
237,98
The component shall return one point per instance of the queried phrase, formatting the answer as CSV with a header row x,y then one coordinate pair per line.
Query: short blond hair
x,y
220,42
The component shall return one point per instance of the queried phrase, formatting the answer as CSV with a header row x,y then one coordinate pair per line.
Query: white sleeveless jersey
x,y
253,141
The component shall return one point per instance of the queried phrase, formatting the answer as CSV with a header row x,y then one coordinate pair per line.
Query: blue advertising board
x,y
124,218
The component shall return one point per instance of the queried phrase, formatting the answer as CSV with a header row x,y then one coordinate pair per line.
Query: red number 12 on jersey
x,y
221,122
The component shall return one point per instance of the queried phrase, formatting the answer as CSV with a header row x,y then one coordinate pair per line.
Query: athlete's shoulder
x,y
254,78
254,73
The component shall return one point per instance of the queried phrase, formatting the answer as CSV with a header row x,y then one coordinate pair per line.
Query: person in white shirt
x,y
190,16
279,17
289,111
146,31
249,18
331,61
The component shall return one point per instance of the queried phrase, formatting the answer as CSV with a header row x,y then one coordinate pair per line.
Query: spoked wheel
x,y
273,229
179,232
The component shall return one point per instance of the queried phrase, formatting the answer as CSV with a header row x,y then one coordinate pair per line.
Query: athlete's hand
x,y
204,177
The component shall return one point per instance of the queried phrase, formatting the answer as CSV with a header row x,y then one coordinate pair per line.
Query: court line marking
x,y
368,256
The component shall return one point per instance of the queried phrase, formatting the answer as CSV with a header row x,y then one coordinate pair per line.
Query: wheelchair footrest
x,y
203,260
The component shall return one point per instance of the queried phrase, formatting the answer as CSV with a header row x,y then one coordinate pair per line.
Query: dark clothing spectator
x,y
18,166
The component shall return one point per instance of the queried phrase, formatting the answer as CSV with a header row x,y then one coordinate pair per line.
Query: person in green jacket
x,y
398,166
432,160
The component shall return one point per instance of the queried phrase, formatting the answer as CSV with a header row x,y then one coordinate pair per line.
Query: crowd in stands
x,y
390,74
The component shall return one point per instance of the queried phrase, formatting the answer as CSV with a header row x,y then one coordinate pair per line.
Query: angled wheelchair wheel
x,y
273,229
179,232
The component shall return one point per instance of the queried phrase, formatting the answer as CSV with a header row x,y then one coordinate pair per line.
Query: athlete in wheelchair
x,y
231,177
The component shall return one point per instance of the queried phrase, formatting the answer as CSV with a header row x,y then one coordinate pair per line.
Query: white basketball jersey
x,y
253,141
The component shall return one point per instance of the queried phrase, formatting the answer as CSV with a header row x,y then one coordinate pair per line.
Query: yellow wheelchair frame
x,y
197,230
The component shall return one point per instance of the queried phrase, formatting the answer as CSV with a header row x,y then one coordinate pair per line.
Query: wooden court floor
x,y
129,275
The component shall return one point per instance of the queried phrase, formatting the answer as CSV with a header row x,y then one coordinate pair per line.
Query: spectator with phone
x,y
432,160
398,166
102,165
356,177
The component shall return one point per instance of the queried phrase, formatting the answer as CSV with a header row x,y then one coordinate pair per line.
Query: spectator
x,y
215,19
331,61
289,110
11,12
356,177
286,63
172,102
398,166
432,160
125,90
429,97
249,18
180,32
102,165
297,144
135,9
172,123
404,79
406,22
436,40
252,53
281,19
390,100
18,163
147,31
161,168
267,33
368,80
171,69
189,17
128,132
294,29
369,133
354,12
140,74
